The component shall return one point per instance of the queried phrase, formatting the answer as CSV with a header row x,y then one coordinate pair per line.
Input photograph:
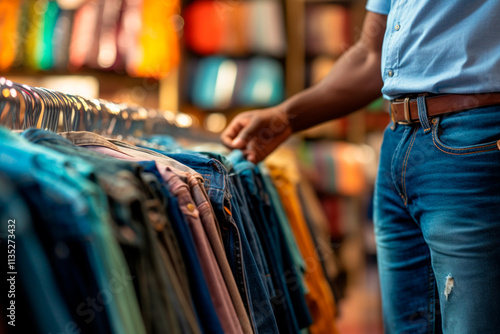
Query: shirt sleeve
x,y
379,6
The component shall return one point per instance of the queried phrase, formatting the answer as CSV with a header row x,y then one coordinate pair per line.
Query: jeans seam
x,y
432,302
405,164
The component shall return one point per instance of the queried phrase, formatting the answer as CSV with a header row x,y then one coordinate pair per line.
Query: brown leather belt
x,y
405,110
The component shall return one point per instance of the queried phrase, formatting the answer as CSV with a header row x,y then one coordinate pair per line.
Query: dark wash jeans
x,y
238,250
437,224
288,298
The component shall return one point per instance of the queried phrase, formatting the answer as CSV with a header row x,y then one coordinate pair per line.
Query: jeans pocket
x,y
469,132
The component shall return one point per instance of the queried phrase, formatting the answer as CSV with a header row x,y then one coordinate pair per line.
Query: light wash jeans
x,y
437,224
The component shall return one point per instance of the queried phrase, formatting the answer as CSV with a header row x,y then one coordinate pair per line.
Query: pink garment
x,y
226,303
216,285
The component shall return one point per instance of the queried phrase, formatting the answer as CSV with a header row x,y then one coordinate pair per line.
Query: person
x,y
437,194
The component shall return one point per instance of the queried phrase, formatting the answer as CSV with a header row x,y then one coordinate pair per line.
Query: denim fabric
x,y
166,237
204,306
216,285
164,140
279,211
207,216
78,266
83,138
155,281
319,296
243,211
288,301
291,273
47,308
437,225
238,250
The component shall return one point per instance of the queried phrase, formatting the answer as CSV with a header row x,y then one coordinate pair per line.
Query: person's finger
x,y
246,134
253,151
232,130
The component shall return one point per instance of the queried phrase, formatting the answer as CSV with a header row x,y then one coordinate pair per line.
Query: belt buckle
x,y
406,110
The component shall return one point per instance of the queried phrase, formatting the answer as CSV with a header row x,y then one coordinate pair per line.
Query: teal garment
x,y
66,182
47,43
439,47
135,209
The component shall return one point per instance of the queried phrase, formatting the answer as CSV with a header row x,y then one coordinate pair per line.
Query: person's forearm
x,y
354,81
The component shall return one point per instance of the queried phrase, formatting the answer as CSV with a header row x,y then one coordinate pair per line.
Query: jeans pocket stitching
x,y
467,150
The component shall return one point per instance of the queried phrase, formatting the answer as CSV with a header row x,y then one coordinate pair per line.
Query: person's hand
x,y
257,133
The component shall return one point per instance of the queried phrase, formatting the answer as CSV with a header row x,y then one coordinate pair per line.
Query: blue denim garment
x,y
238,250
205,309
279,211
291,272
37,299
160,303
242,210
437,224
163,140
65,194
289,301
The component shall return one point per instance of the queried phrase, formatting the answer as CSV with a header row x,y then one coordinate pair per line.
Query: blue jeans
x,y
437,224
238,250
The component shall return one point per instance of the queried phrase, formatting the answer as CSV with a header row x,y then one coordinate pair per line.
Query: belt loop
x,y
394,123
422,113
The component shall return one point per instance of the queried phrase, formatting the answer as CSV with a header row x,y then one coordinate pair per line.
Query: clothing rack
x,y
23,107
207,242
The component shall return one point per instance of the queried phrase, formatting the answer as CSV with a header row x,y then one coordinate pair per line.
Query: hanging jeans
x,y
437,224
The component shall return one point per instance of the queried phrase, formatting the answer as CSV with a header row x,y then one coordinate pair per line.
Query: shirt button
x,y
397,27
390,73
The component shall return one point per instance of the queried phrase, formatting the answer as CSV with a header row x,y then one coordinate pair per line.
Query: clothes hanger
x,y
29,105
46,108
10,96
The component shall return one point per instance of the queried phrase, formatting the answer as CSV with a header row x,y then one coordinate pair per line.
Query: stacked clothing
x,y
117,238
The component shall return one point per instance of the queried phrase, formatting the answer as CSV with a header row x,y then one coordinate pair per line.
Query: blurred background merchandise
x,y
211,60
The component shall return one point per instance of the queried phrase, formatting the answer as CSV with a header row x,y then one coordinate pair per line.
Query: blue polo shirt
x,y
440,46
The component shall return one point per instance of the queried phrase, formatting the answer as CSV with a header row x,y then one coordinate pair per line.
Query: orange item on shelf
x,y
158,41
9,18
